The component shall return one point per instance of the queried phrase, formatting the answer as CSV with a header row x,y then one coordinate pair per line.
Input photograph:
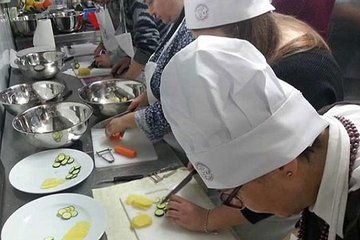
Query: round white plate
x,y
25,51
28,174
37,219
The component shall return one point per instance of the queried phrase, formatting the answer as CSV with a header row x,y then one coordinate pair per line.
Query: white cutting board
x,y
95,72
162,228
133,138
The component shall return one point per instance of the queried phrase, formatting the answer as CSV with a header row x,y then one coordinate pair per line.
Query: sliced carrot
x,y
127,152
116,136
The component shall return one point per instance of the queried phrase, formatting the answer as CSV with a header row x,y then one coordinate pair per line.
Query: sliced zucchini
x,y
63,162
69,176
56,165
72,169
76,171
66,216
74,213
61,212
74,176
161,205
77,167
71,160
159,212
61,157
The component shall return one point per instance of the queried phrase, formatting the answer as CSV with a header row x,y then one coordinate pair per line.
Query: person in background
x,y
148,113
315,13
260,142
146,33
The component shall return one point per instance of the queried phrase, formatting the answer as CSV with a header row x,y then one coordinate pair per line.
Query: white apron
x,y
110,40
149,72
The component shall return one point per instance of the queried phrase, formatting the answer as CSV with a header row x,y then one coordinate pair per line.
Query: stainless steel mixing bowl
x,y
41,65
21,97
67,20
24,25
110,97
53,125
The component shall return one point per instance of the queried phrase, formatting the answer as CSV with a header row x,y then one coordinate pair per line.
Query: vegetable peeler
x,y
106,154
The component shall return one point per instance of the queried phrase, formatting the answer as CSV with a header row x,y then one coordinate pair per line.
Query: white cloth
x,y
212,13
331,200
43,35
233,117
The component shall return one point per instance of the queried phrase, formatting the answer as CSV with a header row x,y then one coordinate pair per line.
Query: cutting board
x,y
95,72
161,228
133,138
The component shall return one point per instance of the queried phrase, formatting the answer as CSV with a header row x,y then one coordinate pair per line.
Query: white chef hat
x,y
212,13
233,117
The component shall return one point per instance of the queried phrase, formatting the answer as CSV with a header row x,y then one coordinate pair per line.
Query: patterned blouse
x,y
151,119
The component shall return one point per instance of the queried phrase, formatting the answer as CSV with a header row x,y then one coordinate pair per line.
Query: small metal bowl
x,y
53,125
41,65
21,97
24,25
110,97
67,21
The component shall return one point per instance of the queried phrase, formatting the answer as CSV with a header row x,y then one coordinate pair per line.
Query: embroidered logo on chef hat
x,y
204,171
201,12
220,12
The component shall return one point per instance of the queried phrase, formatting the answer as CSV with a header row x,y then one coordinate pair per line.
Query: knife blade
x,y
92,65
128,217
178,187
123,178
103,123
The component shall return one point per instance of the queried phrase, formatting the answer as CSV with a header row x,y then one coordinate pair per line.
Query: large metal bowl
x,y
41,65
110,97
67,20
53,125
21,97
24,25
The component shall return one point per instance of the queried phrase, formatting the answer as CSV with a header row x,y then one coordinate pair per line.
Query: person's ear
x,y
289,169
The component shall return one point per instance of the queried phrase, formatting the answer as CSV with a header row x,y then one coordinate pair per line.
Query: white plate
x,y
37,219
28,174
25,51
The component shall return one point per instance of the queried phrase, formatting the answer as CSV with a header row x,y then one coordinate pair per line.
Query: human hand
x,y
99,49
186,214
120,67
139,101
103,61
120,124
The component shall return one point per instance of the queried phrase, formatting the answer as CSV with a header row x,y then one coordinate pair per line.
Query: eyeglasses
x,y
232,199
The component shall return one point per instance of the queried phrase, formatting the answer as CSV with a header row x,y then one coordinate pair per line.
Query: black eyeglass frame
x,y
230,197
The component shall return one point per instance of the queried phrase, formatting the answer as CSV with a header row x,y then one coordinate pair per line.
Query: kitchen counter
x,y
14,148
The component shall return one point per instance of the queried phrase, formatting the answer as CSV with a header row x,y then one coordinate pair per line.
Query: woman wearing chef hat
x,y
301,58
256,138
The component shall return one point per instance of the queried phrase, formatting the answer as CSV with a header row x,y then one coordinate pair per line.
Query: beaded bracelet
x,y
206,221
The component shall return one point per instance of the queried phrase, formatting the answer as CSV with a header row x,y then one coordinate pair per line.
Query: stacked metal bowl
x,y
24,25
21,97
67,21
111,97
41,65
53,125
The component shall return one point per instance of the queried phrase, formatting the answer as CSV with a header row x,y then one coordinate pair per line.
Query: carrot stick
x,y
127,152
